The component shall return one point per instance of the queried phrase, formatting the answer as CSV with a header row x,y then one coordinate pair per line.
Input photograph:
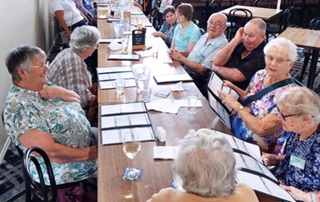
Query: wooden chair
x,y
235,22
315,25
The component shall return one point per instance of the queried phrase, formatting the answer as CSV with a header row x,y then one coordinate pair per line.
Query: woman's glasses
x,y
286,116
40,66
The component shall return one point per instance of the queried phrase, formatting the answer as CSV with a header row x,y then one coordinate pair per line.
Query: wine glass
x,y
131,147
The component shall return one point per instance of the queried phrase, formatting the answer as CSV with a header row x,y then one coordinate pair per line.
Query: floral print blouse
x,y
65,121
260,108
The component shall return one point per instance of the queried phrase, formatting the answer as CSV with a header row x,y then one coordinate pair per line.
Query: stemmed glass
x,y
131,147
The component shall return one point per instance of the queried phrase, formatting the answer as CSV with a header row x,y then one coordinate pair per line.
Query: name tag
x,y
297,162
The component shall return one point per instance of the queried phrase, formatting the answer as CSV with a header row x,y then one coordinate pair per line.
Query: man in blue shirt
x,y
198,63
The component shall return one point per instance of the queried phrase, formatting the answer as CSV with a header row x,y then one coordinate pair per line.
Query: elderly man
x,y
198,63
243,56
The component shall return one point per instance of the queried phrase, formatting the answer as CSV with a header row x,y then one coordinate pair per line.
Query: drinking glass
x,y
141,75
120,84
131,147
192,97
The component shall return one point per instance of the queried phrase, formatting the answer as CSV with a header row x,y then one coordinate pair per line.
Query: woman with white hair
x,y
299,168
206,165
69,69
254,119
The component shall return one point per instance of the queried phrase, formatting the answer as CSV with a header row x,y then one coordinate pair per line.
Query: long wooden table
x,y
257,12
305,38
156,173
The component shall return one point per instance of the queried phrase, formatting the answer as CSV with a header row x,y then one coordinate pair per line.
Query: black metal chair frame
x,y
236,22
315,25
38,189
268,3
285,19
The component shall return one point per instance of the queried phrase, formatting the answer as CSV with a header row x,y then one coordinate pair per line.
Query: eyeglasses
x,y
286,116
40,66
216,24
279,61
97,46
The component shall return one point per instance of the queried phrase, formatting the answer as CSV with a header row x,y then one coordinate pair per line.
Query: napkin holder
x,y
139,38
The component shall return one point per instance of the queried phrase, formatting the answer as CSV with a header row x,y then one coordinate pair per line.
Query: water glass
x,y
118,29
120,83
192,97
146,94
141,75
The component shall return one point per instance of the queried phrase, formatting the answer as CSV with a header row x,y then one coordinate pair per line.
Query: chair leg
x,y
305,64
28,194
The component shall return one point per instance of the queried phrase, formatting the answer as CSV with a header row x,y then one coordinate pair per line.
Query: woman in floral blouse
x,y
257,122
38,113
299,169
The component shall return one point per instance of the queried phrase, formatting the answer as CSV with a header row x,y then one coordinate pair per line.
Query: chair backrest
x,y
237,22
237,2
315,23
287,17
216,5
38,189
263,3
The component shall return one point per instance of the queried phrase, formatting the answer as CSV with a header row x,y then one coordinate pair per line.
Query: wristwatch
x,y
241,108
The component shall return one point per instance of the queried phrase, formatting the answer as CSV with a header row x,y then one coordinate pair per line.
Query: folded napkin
x,y
185,103
165,152
163,105
177,87
114,45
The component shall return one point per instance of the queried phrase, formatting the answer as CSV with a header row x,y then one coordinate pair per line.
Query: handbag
x,y
64,39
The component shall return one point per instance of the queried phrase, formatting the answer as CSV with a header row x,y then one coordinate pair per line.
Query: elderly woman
x,y
186,33
69,70
206,165
167,29
299,168
38,113
257,121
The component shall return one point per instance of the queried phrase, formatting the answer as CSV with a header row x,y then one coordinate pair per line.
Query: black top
x,y
249,65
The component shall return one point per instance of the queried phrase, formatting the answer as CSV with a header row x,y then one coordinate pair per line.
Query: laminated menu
x,y
117,119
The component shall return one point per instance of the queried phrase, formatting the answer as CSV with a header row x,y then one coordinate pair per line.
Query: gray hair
x,y
301,100
260,23
22,57
282,44
84,37
206,164
169,9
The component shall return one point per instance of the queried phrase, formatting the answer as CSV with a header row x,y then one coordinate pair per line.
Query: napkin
x,y
185,103
114,45
165,152
163,105
177,87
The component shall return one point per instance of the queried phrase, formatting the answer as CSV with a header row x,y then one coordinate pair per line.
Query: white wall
x,y
22,22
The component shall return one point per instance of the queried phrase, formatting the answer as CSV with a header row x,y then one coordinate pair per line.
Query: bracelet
x,y
313,197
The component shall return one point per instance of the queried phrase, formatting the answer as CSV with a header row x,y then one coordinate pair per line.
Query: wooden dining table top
x,y
157,174
305,38
257,12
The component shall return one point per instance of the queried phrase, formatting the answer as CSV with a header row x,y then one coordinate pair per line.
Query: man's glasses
x,y
279,61
286,116
216,24
40,66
